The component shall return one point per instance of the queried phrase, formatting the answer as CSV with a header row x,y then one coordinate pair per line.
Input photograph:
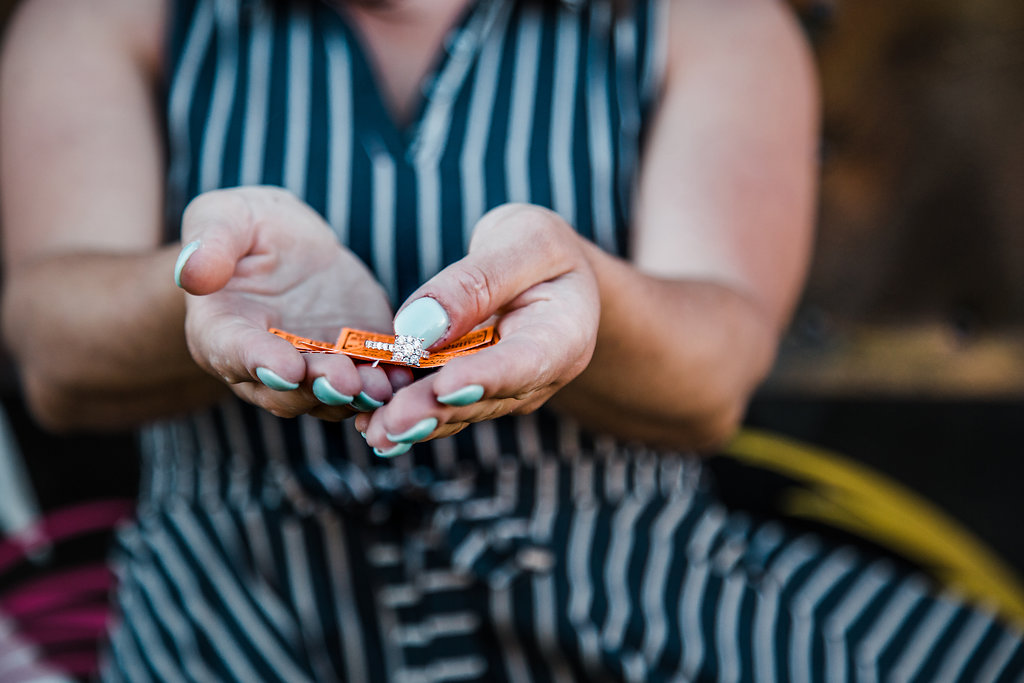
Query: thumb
x,y
217,231
513,249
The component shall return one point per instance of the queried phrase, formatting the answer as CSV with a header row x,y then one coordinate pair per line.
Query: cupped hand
x,y
527,273
258,257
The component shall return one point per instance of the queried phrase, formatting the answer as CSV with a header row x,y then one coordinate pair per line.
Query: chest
x,y
524,102
403,42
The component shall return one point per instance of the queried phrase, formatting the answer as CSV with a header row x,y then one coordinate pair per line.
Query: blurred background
x,y
907,351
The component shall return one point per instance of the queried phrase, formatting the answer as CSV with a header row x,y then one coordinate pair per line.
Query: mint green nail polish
x,y
417,432
424,319
392,452
274,381
183,257
327,394
364,403
468,394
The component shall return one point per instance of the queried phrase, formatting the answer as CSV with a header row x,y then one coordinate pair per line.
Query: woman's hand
x,y
526,269
259,257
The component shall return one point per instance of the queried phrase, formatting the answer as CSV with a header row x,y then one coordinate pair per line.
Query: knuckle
x,y
475,286
452,429
529,403
526,219
282,410
543,225
498,408
216,208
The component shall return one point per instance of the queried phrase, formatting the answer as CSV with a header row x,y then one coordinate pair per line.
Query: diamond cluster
x,y
407,350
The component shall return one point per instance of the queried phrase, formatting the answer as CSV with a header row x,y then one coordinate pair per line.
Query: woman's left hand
x,y
527,272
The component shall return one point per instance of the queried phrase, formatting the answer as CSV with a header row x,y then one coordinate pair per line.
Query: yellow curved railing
x,y
854,498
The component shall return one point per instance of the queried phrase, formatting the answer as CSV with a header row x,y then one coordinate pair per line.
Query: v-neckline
x,y
402,139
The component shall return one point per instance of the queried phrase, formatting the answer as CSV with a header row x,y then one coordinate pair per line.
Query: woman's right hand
x,y
256,258
527,271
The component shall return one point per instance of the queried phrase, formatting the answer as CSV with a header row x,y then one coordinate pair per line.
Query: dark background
x,y
907,352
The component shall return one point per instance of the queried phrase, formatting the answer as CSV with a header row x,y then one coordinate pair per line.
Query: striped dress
x,y
521,549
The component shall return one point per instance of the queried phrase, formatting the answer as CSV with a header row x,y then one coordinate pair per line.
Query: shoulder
x,y
133,27
761,30
749,55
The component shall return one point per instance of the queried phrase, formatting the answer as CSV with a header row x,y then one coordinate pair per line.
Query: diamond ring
x,y
406,349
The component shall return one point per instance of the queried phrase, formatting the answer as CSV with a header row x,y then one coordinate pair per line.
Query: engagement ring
x,y
406,349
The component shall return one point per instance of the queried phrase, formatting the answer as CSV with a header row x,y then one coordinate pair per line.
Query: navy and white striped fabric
x,y
522,549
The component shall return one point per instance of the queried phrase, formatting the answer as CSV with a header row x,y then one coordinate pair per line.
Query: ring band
x,y
406,349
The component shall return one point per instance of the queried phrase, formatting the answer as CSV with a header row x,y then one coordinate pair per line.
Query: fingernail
x,y
365,403
417,432
327,394
470,393
275,381
424,319
183,257
392,452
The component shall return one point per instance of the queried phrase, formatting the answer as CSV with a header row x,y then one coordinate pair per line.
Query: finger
x,y
239,350
543,345
388,449
217,230
222,227
538,354
334,378
376,389
399,376
413,416
286,403
290,399
513,248
284,398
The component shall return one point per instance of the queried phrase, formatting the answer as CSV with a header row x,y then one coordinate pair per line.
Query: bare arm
x,y
723,231
89,309
668,347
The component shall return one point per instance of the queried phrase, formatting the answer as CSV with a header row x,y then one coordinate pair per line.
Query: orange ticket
x,y
386,348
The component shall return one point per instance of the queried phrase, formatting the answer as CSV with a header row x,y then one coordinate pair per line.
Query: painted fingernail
x,y
470,393
398,449
327,394
424,319
417,432
275,381
183,257
365,403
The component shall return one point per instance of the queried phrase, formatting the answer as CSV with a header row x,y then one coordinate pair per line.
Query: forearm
x,y
98,338
681,381
721,231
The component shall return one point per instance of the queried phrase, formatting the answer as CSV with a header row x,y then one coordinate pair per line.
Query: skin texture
x,y
267,260
665,347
